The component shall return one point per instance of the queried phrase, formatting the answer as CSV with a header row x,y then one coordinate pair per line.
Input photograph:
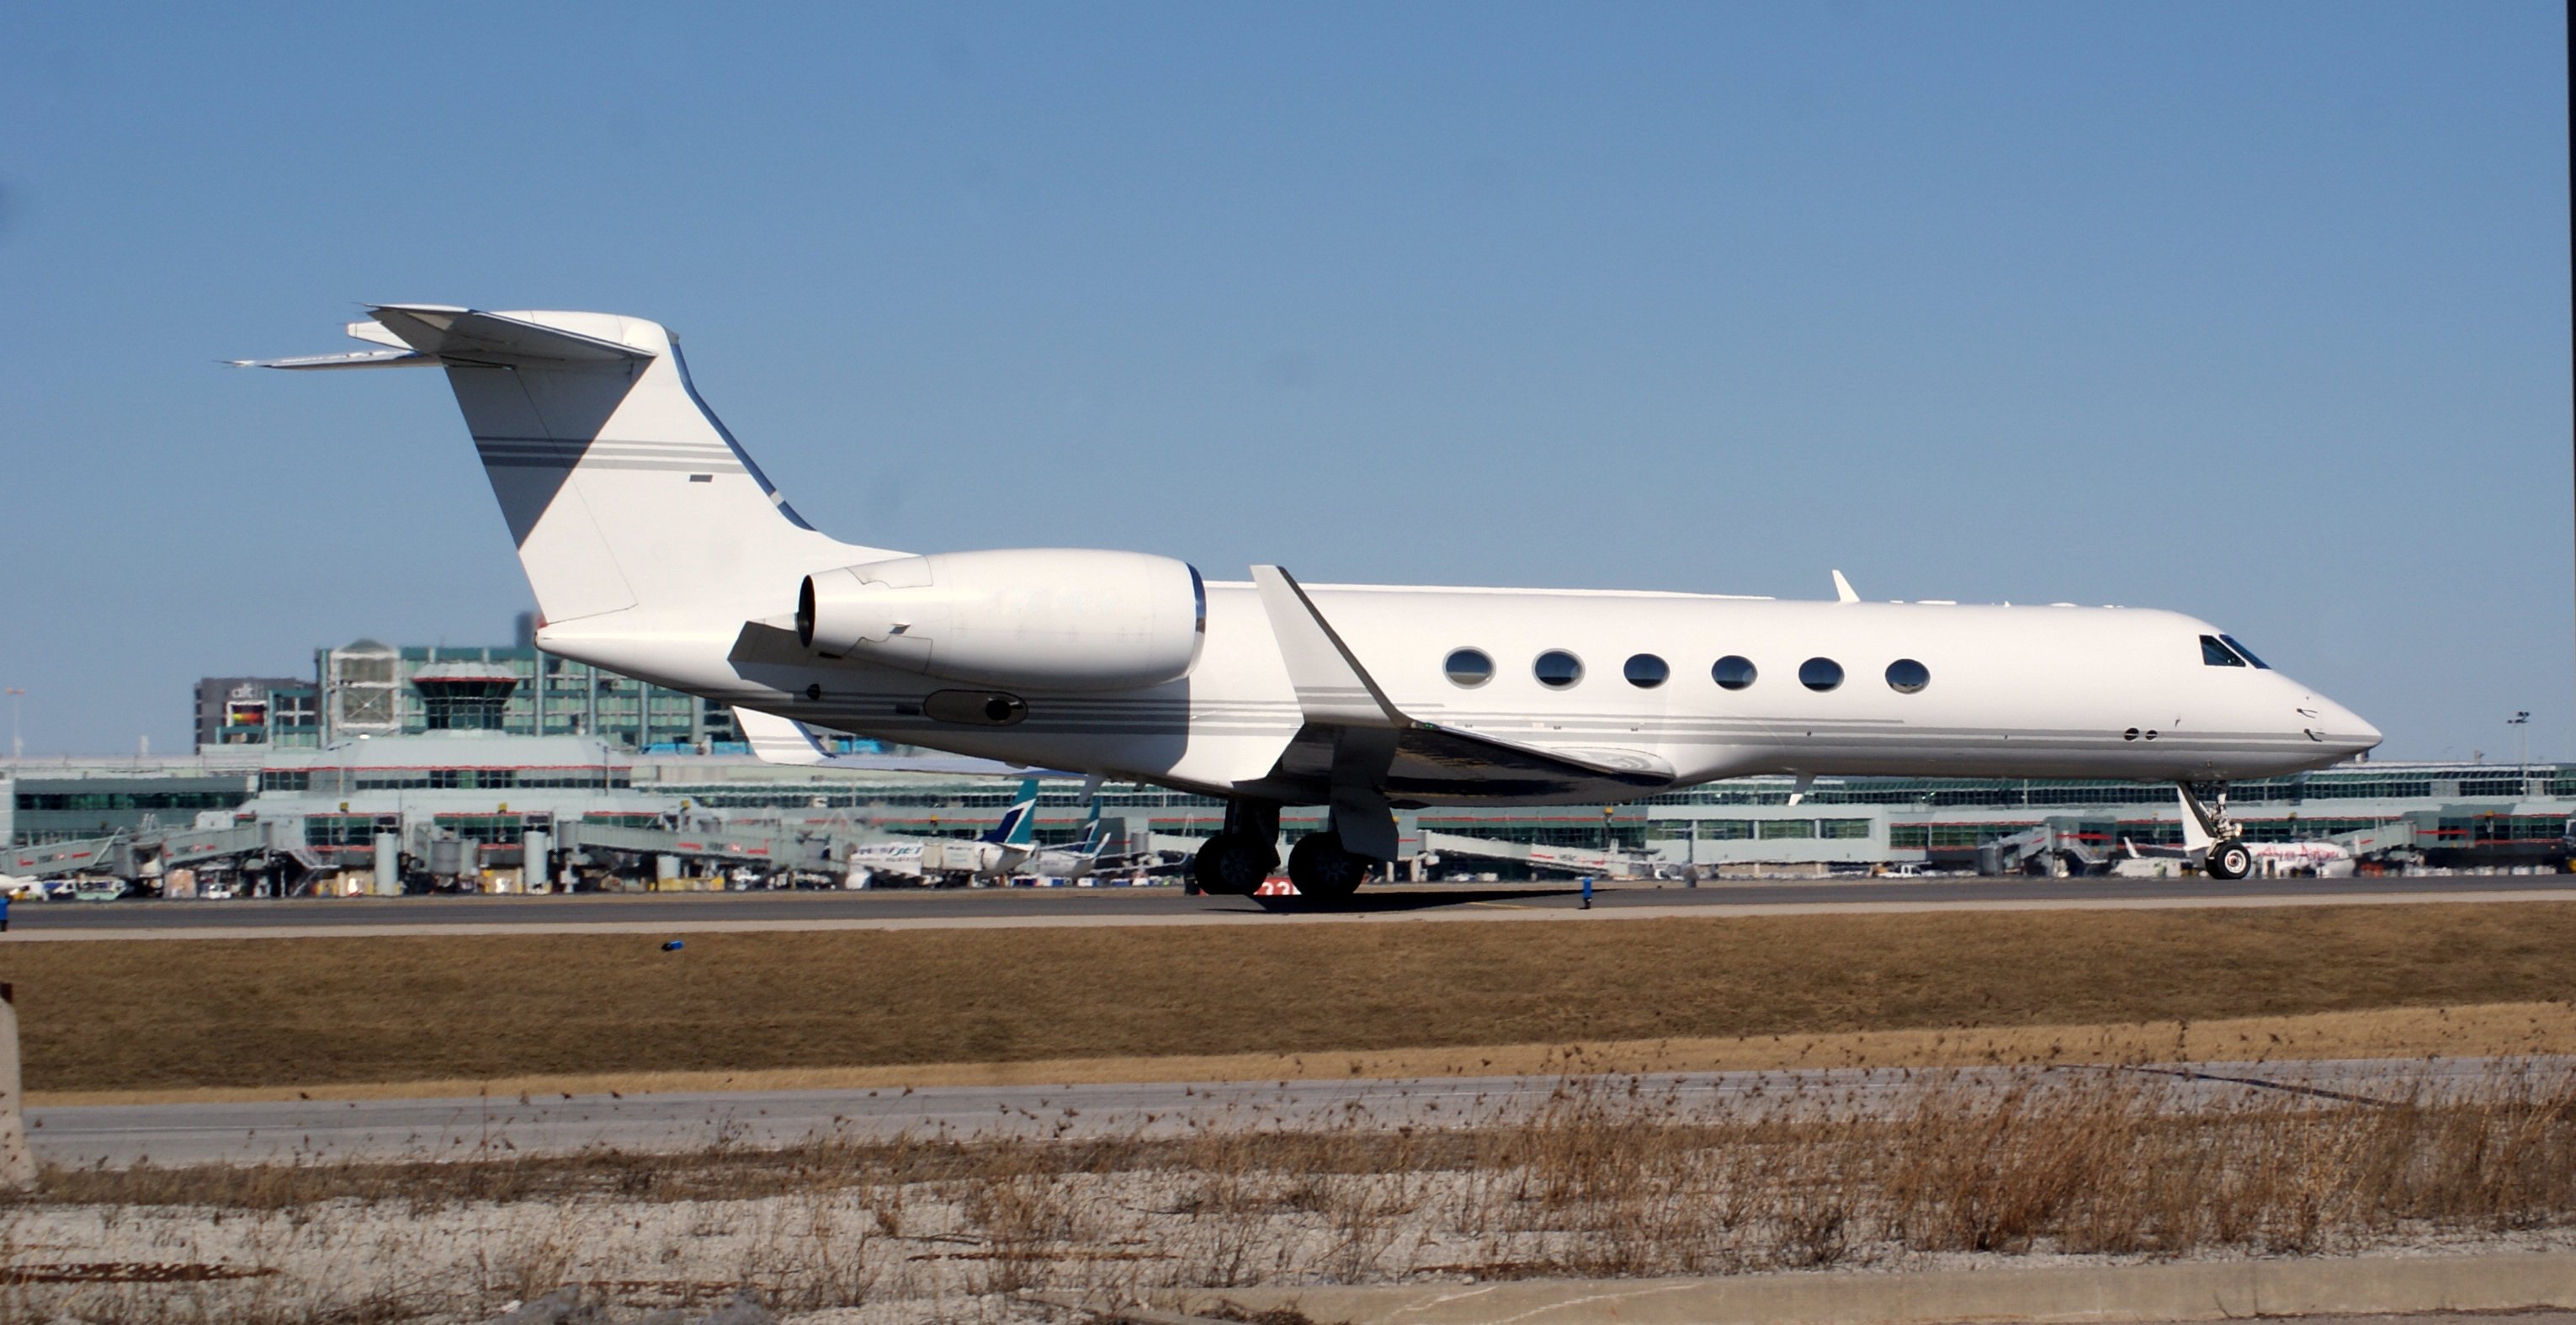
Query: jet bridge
x,y
2059,845
56,858
1570,860
776,846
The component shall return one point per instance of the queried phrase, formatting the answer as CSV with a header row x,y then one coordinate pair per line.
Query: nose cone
x,y
2337,728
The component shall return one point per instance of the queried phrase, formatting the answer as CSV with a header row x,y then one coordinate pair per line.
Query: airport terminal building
x,y
467,752
325,807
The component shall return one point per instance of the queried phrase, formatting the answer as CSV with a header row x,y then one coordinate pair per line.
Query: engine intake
x,y
1036,618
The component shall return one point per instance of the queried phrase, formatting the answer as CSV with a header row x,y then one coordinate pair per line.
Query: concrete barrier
x,y
2172,1291
17,1165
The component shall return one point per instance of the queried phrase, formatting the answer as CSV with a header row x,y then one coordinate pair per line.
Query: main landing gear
x,y
1324,870
1234,862
2228,856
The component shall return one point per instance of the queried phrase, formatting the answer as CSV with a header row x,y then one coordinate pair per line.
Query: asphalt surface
x,y
494,1127
1169,904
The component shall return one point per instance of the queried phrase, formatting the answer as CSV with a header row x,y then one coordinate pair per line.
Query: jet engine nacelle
x,y
1040,618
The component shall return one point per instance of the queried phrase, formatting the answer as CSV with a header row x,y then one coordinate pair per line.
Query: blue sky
x,y
2257,312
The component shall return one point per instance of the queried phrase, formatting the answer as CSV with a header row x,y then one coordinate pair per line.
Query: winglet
x,y
1332,688
1843,590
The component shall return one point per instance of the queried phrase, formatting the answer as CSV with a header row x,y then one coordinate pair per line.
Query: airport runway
x,y
919,908
495,1127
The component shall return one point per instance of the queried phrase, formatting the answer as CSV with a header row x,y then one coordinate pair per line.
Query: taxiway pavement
x,y
490,1127
1012,907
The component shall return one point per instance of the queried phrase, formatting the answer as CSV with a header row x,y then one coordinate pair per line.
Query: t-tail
x,y
620,487
1019,824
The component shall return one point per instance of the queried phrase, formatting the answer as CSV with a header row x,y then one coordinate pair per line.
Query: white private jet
x,y
658,549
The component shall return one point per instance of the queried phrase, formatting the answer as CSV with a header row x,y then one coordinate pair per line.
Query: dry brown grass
x,y
2475,1031
1607,1177
112,1016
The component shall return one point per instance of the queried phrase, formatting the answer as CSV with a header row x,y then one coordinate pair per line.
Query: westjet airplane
x,y
999,852
658,549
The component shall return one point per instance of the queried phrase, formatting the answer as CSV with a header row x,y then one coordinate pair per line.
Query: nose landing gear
x,y
2228,857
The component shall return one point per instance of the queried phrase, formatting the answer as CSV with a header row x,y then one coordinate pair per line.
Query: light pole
x,y
2521,724
17,746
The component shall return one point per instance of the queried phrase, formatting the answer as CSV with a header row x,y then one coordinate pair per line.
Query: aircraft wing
x,y
1426,760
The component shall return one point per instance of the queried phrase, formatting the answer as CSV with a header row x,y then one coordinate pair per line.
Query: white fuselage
x,y
922,858
656,548
2054,691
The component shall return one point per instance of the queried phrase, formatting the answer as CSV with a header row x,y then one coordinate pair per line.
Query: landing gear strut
x,y
1234,862
2228,856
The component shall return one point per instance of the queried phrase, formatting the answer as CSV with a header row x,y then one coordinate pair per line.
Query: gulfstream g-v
x,y
658,549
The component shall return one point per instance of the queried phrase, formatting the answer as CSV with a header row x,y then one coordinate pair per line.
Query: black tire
x,y
1323,871
2230,860
1229,866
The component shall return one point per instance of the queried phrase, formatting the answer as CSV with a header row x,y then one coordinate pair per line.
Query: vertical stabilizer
x,y
1019,825
618,484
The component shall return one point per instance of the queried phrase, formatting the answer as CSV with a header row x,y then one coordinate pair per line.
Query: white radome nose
x,y
2337,727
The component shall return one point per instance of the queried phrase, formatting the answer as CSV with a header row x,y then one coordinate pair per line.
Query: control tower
x,y
464,696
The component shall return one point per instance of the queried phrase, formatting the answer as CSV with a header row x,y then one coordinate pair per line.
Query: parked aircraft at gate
x,y
1000,852
2234,859
657,548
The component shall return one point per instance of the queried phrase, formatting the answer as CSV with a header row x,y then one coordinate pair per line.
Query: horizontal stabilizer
x,y
461,335
354,359
421,334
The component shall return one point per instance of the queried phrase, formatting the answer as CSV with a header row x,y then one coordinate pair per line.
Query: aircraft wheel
x,y
2230,860
1229,866
1322,870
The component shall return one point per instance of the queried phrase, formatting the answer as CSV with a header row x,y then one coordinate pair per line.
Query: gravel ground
x,y
855,1257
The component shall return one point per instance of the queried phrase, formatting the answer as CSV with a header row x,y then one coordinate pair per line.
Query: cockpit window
x,y
2245,653
2216,654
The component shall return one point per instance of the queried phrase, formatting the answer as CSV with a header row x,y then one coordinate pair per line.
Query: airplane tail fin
x,y
619,486
1091,839
1019,825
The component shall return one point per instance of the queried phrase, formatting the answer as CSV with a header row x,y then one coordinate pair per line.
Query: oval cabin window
x,y
1558,669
